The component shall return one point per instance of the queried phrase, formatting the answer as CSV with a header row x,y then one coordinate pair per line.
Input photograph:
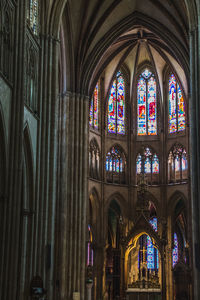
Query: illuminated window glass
x,y
115,165
94,108
139,164
177,163
176,106
147,162
152,252
146,104
147,165
175,251
33,15
116,106
155,164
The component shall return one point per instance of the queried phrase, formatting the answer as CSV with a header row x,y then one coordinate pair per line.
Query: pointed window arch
x,y
152,252
147,161
94,107
175,250
177,164
115,165
94,160
32,15
116,106
146,104
176,106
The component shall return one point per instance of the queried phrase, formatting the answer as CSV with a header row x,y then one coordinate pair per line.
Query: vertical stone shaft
x,y
73,193
194,154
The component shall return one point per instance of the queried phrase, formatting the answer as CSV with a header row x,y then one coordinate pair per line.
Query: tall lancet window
x,y
176,106
116,106
146,104
175,251
32,16
94,108
152,252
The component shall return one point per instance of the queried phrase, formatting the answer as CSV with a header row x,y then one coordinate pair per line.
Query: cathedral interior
x,y
99,154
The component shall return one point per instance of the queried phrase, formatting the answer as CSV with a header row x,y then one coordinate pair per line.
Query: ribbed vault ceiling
x,y
100,35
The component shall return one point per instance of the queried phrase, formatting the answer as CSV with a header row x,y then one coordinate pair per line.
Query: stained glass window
x,y
147,165
152,252
148,162
177,163
116,106
175,251
155,164
94,108
33,15
146,104
176,106
139,164
115,165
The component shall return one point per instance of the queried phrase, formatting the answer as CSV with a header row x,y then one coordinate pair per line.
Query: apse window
x,y
147,163
94,108
176,106
116,106
177,164
146,104
115,165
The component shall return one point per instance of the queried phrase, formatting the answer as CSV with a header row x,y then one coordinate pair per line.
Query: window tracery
x,y
177,164
176,106
115,165
116,106
146,104
147,162
94,160
94,108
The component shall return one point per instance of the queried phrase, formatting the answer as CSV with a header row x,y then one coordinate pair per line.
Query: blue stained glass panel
x,y
146,74
139,164
175,251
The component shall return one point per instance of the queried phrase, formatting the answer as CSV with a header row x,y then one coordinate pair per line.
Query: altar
x,y
143,294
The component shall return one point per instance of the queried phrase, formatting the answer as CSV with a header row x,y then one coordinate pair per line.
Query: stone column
x,y
163,265
73,194
89,290
194,110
